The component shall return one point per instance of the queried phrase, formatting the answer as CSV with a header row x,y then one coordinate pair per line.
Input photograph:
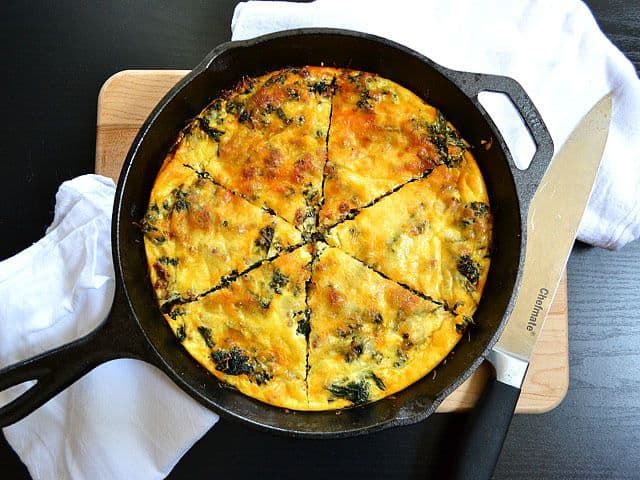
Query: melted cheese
x,y
381,136
247,335
432,234
258,178
369,336
203,232
273,148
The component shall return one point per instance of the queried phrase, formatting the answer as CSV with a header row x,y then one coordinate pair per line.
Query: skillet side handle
x,y
485,432
526,181
56,369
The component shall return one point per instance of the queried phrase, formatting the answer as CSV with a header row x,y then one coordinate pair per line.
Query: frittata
x,y
318,238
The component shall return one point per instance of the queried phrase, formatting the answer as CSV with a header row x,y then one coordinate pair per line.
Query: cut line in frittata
x,y
360,188
381,136
247,335
436,237
369,336
271,141
193,242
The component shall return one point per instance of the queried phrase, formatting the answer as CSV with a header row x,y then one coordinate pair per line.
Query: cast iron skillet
x,y
135,329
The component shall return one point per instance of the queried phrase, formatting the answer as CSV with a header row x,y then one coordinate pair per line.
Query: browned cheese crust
x,y
318,238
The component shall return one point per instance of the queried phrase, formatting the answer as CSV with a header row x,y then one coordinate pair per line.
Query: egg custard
x,y
318,238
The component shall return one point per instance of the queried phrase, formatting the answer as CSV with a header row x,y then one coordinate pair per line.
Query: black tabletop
x,y
56,57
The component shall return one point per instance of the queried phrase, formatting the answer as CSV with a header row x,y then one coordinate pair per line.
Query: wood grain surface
x,y
127,98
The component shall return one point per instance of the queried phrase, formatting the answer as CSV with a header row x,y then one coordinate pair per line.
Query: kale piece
x,y
180,333
479,208
213,132
304,327
364,102
304,322
236,362
181,202
278,281
173,300
177,312
279,78
442,136
205,332
168,261
357,392
469,269
322,88
244,116
466,322
234,107
355,350
261,377
283,116
378,381
265,238
150,217
232,362
293,94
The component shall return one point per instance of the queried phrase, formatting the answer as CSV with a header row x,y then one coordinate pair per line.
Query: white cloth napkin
x,y
554,49
124,420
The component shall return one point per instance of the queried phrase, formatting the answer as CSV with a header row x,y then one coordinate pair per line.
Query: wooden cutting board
x,y
128,97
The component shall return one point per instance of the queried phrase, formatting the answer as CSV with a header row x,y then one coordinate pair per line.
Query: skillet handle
x,y
56,369
526,181
485,432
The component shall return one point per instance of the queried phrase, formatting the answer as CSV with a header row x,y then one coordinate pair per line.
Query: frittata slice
x,y
272,134
381,136
433,235
197,233
247,333
369,336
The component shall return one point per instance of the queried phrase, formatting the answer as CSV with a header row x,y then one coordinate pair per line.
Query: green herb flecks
x,y
356,347
216,105
378,381
245,116
177,312
150,218
304,325
479,208
283,116
401,358
180,203
278,281
201,174
322,88
265,238
469,269
277,78
466,323
205,333
234,107
442,135
365,100
293,94
213,132
168,261
181,334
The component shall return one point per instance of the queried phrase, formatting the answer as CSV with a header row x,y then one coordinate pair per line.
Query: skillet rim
x,y
453,77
